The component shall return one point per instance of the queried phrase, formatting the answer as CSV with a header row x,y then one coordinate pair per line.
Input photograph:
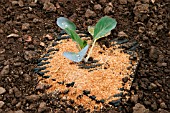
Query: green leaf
x,y
75,37
77,57
70,28
64,23
103,27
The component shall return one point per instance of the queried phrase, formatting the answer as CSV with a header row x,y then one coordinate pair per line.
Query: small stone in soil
x,y
145,38
49,7
162,111
42,107
27,78
163,105
141,29
147,103
25,26
123,1
18,105
167,70
30,55
20,3
42,87
122,34
134,98
90,13
14,3
48,36
42,44
139,108
153,54
161,64
32,98
17,92
154,106
1,31
102,1
5,70
108,9
17,64
97,7
2,90
153,86
27,38
18,111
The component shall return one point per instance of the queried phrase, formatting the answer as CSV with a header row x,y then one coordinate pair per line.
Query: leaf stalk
x,y
90,51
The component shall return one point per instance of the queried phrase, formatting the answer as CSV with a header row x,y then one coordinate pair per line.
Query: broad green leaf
x,y
77,57
104,26
64,23
75,37
91,31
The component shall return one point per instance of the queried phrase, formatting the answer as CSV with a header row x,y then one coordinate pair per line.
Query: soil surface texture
x,y
27,27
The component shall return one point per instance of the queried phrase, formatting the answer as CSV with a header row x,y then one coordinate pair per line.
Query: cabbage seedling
x,y
101,29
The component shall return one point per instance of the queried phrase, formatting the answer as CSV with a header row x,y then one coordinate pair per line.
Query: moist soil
x,y
28,26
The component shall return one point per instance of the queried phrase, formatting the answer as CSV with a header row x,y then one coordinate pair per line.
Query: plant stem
x,y
89,53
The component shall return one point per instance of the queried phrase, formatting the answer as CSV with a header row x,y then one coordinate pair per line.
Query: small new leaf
x,y
91,30
104,26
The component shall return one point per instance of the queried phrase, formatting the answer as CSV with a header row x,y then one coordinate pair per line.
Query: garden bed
x,y
28,27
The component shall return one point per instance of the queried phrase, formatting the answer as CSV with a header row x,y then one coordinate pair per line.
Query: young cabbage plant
x,y
101,29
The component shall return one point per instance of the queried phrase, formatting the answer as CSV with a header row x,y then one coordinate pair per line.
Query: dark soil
x,y
27,27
